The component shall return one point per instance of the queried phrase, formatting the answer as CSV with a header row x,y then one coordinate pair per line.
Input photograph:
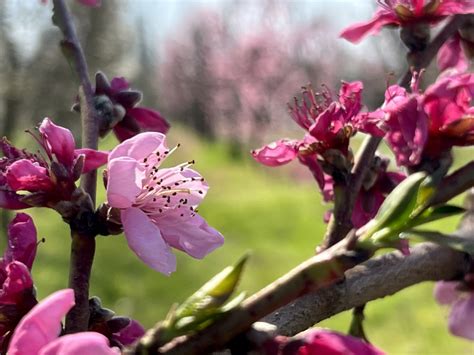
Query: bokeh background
x,y
222,73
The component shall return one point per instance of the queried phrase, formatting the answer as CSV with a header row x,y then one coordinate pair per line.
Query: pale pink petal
x,y
149,120
145,239
42,324
93,158
193,235
130,333
59,141
276,153
124,181
80,344
189,184
358,31
144,145
22,240
451,55
445,292
26,175
461,318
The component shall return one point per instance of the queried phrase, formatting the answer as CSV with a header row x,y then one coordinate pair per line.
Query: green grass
x,y
275,213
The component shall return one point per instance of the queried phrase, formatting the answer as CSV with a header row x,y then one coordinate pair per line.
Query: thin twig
x,y
82,246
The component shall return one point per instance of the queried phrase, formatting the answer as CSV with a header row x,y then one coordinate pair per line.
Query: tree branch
x,y
82,246
376,278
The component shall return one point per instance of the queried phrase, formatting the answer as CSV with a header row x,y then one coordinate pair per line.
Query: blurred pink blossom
x,y
38,332
461,301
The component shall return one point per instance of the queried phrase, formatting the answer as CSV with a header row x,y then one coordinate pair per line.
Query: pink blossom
x,y
128,119
49,176
425,125
38,332
17,295
396,13
320,342
277,153
329,123
461,301
158,206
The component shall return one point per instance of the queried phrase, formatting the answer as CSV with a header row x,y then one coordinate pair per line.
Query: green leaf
x,y
451,241
399,206
214,293
434,214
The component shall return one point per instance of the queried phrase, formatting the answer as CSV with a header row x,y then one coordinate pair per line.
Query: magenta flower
x,y
17,295
461,300
118,105
46,179
320,342
428,124
38,332
329,124
396,13
158,206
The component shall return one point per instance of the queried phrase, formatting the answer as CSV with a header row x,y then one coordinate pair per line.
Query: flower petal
x,y
94,158
276,153
461,317
358,31
145,239
124,181
59,141
25,175
451,55
130,333
42,324
11,201
323,342
141,146
119,83
149,120
445,292
18,279
22,240
79,344
193,235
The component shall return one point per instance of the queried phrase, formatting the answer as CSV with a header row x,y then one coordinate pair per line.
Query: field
x,y
274,213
